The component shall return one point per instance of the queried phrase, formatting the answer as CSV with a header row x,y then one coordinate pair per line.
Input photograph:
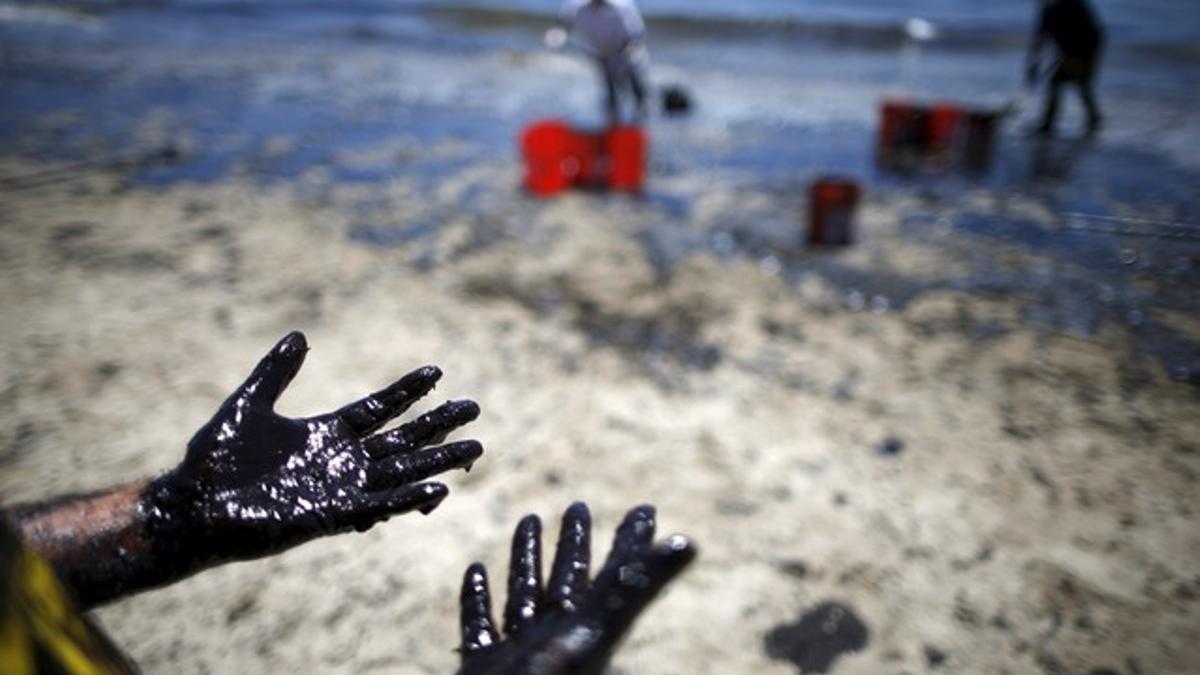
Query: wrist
x,y
97,543
170,527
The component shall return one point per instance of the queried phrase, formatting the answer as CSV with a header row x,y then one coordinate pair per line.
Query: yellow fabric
x,y
15,651
40,619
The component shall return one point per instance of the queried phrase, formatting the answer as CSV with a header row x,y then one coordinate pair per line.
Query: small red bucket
x,y
831,207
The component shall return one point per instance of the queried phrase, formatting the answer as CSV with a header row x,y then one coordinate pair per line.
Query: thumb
x,y
625,587
275,371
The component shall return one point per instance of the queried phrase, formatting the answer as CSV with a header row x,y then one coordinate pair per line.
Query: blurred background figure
x,y
1077,35
613,32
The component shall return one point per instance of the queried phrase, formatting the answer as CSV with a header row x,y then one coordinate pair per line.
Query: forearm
x,y
103,545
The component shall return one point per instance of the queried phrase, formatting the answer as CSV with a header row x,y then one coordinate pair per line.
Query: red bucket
x,y
627,157
547,149
942,126
831,207
899,124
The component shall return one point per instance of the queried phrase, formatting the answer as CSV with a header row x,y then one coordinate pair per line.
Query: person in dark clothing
x,y
1079,38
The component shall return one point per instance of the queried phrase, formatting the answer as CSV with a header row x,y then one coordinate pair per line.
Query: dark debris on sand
x,y
815,641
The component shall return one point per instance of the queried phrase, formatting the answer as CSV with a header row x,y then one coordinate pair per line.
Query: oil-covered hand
x,y
255,483
573,624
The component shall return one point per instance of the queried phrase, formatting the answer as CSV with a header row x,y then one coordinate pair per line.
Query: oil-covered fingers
x,y
374,507
275,371
475,602
625,587
635,533
569,573
668,558
401,469
432,427
369,414
524,577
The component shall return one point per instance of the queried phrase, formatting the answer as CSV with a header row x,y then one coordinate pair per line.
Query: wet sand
x,y
973,491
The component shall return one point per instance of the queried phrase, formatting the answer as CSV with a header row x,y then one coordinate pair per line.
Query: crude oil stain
x,y
818,637
934,657
890,447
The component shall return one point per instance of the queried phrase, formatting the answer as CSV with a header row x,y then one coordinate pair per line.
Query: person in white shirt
x,y
613,32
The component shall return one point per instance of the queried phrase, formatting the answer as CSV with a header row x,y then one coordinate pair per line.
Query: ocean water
x,y
1149,20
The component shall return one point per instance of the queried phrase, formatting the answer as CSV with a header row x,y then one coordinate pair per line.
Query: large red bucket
x,y
942,126
627,157
547,150
901,124
831,207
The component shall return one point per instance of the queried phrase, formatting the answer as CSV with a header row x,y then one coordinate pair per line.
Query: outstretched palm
x,y
255,483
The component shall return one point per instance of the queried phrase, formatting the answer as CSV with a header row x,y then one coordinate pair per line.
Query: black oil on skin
x,y
254,483
570,625
818,638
